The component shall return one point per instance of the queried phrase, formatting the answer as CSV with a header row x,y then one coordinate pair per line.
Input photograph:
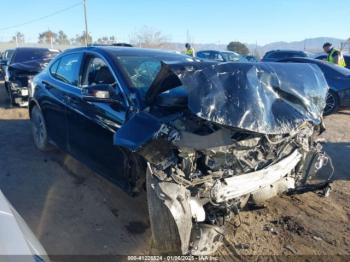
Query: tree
x,y
238,47
107,40
150,38
47,37
80,39
62,38
18,38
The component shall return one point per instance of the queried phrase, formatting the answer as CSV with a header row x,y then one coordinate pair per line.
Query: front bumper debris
x,y
241,185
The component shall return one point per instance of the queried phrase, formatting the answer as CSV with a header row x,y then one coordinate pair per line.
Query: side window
x,y
54,66
218,57
96,72
68,69
205,55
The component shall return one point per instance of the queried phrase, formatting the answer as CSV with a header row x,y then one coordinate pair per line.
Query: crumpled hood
x,y
30,67
268,98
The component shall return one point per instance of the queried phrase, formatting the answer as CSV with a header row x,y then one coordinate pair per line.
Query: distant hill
x,y
310,44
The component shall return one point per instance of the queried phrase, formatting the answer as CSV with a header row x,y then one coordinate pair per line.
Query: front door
x,y
93,124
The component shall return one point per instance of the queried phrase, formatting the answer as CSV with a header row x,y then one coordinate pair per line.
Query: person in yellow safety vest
x,y
189,50
334,55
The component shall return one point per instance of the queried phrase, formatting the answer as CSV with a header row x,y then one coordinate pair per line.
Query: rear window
x,y
204,55
282,55
23,55
231,56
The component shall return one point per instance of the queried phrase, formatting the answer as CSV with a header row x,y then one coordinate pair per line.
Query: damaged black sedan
x,y
22,66
205,138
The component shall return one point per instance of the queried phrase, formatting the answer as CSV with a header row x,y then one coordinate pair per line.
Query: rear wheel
x,y
39,130
332,103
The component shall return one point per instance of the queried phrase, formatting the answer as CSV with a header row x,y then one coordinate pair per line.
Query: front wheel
x,y
39,130
12,100
332,103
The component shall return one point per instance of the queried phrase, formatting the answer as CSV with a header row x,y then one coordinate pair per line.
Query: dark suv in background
x,y
276,55
24,63
324,58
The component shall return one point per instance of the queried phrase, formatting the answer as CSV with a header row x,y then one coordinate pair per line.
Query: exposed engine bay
x,y
232,135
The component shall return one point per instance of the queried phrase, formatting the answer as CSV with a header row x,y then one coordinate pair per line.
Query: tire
x,y
166,238
332,103
39,130
12,101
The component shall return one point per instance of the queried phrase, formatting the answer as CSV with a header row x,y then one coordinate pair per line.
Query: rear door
x,y
93,124
64,79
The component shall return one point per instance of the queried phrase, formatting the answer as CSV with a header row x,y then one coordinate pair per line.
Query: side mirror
x,y
98,93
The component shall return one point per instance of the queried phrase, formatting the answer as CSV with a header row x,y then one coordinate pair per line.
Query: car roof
x,y
286,50
325,55
306,59
209,50
231,52
132,51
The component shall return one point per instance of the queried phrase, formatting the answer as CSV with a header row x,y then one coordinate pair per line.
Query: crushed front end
x,y
243,133
20,76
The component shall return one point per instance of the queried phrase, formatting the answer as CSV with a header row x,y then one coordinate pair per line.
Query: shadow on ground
x,y
69,208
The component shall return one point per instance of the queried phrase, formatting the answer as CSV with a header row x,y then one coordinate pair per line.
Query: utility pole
x,y
51,41
86,25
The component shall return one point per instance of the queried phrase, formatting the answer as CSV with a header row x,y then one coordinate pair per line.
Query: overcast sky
x,y
207,21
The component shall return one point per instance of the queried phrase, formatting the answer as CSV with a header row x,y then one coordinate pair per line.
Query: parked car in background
x,y
204,137
220,56
338,79
25,62
17,241
324,58
113,44
5,57
275,55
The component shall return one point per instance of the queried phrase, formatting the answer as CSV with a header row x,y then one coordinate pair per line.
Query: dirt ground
x,y
74,211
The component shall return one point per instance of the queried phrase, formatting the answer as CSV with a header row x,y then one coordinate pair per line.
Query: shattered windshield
x,y
141,71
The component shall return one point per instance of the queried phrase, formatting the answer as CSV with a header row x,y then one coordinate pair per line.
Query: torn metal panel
x,y
269,98
29,67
